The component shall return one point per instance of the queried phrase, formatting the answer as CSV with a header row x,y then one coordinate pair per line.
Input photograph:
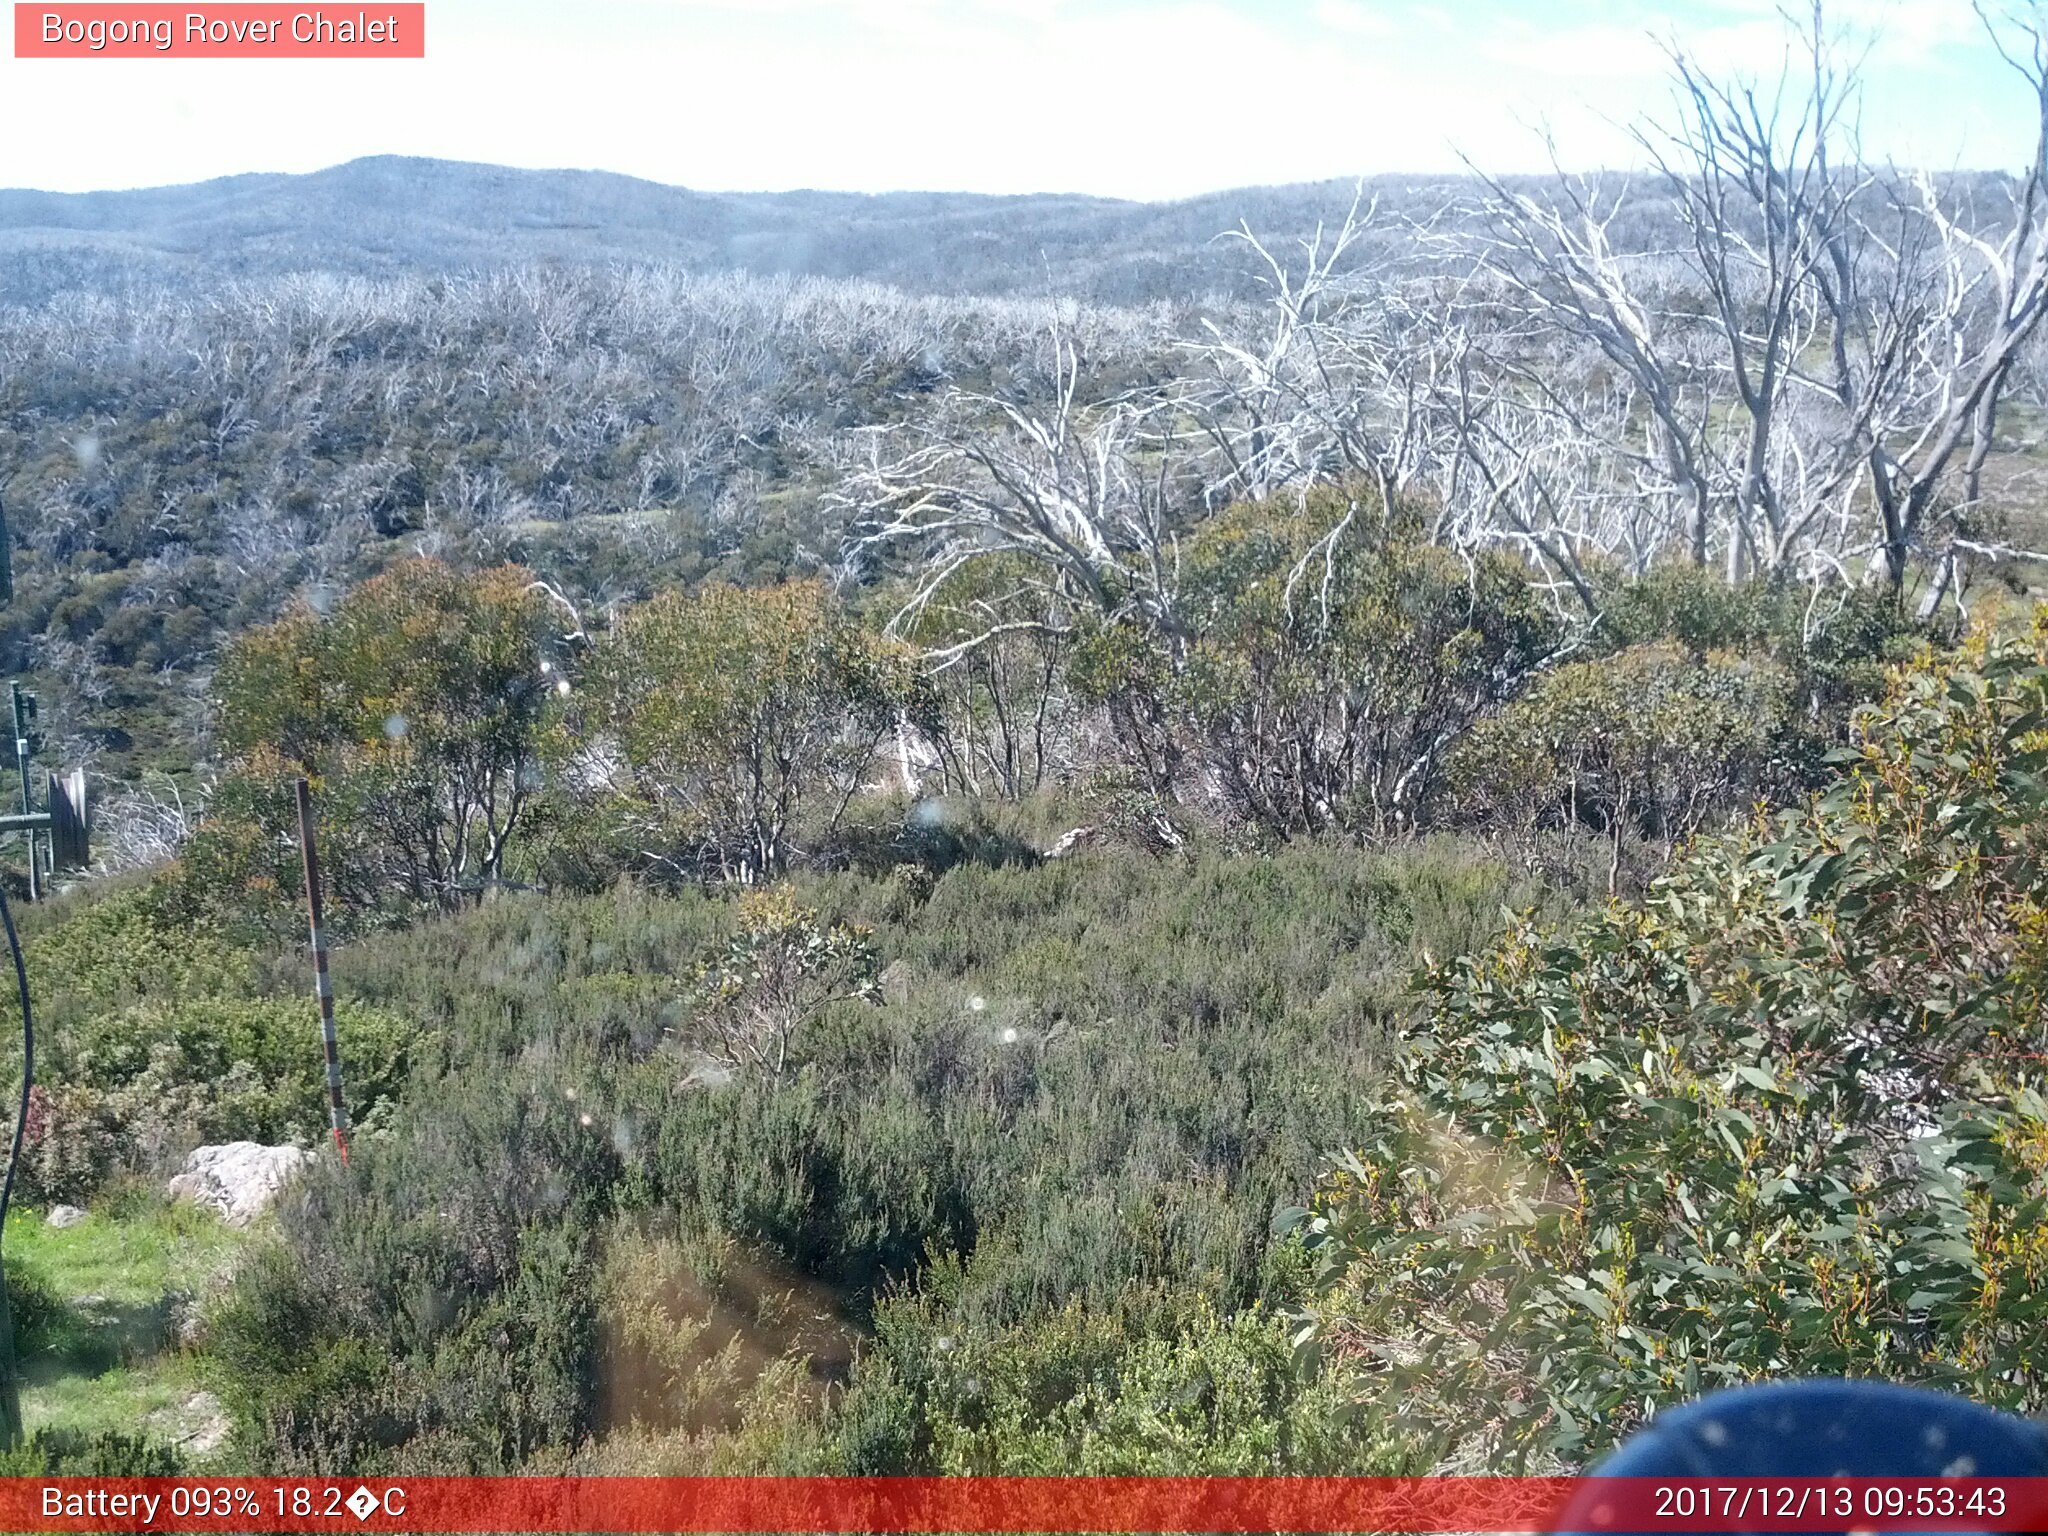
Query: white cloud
x,y
1357,18
1128,97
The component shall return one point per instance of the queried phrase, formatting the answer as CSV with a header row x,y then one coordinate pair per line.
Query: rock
x,y
183,1320
64,1216
1068,842
707,1072
895,983
239,1179
198,1425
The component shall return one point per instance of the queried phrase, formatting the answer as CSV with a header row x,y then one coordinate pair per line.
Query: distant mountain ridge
x,y
393,214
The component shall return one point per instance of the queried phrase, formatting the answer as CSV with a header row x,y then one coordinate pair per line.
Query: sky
x,y
1126,98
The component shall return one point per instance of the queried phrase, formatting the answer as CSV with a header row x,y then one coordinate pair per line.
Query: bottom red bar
x,y
1016,1504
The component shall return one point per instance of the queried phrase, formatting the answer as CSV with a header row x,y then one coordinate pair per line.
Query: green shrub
x,y
151,1040
138,1088
1091,1079
434,1310
1326,657
1836,643
1651,742
1783,1120
133,946
777,975
1159,1386
737,712
1006,715
417,706
74,1453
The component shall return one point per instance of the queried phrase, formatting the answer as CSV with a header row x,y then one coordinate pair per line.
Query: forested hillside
x,y
392,216
1372,852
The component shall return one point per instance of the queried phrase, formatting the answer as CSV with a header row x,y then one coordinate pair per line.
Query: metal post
x,y
24,712
323,989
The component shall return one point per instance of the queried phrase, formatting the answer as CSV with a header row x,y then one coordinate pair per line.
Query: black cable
x,y
28,1057
10,1388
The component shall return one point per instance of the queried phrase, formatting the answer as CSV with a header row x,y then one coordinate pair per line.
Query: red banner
x,y
999,1504
230,31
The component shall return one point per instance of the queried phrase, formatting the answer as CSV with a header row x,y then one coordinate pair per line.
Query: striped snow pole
x,y
323,989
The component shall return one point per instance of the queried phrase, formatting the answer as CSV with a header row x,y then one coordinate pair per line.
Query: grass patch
x,y
133,1257
149,1395
96,1311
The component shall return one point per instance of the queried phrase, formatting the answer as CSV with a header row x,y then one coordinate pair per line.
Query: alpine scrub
x,y
1783,1118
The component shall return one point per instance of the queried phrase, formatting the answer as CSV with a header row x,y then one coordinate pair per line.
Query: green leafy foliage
x,y
1085,1079
1784,1119
1837,644
1012,1214
153,1038
137,1089
69,1453
999,636
416,707
1160,1385
1651,741
1330,657
737,711
132,945
778,973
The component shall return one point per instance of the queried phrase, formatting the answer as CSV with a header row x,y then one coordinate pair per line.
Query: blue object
x,y
1826,1429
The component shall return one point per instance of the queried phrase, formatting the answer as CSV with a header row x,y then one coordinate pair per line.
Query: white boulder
x,y
64,1216
199,1424
239,1179
1068,842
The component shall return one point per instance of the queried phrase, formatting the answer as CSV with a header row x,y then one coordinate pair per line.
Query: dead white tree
x,y
1825,402
148,823
1062,482
1326,379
